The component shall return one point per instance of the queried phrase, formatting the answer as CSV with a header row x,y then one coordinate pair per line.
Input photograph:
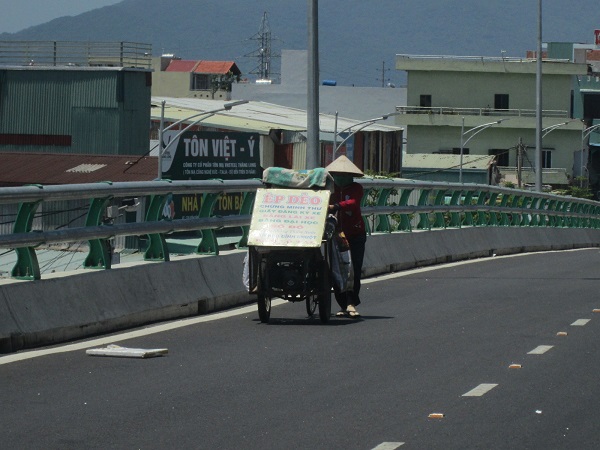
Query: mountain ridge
x,y
354,42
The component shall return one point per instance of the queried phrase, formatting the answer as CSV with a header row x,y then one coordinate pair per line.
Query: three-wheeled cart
x,y
290,242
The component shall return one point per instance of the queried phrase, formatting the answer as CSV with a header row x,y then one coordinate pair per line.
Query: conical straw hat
x,y
343,165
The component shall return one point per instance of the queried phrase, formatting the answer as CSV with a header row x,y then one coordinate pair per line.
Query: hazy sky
x,y
16,15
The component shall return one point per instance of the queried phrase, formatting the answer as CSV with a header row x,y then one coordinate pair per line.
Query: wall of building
x,y
178,84
477,90
562,144
75,111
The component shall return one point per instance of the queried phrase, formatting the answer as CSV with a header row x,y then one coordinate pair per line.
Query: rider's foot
x,y
352,312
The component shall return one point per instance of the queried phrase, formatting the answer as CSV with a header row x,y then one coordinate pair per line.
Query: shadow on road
x,y
314,321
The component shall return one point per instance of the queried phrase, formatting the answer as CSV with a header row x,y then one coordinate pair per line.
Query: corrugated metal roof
x,y
258,117
444,161
554,177
20,168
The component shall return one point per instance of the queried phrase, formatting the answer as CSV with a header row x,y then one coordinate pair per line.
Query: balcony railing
x,y
77,54
445,110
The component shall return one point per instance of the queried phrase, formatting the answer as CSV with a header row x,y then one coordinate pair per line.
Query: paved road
x,y
426,339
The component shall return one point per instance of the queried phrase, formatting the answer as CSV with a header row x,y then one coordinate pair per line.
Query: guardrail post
x,y
382,221
27,266
535,217
455,220
544,220
246,209
504,221
526,206
364,202
515,218
468,200
439,219
405,218
208,244
481,214
493,220
157,244
424,223
100,254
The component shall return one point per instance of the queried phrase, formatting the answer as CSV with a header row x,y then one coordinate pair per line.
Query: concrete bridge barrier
x,y
81,304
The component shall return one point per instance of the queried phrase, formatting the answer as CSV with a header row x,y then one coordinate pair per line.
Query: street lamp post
x,y
584,134
551,128
204,115
475,131
360,125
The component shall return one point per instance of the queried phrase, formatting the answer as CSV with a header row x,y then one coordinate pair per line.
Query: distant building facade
x,y
174,77
448,96
357,103
85,98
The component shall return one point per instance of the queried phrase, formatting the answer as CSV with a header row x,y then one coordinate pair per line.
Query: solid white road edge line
x,y
251,309
220,315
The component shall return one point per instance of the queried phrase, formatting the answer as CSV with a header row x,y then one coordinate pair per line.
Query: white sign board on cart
x,y
288,218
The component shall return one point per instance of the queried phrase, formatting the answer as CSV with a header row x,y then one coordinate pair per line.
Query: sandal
x,y
352,312
341,313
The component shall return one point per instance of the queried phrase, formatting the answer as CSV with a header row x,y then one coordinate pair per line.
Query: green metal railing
x,y
388,205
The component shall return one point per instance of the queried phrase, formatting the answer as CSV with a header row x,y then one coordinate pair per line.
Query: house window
x,y
501,156
425,101
200,82
501,101
456,151
546,159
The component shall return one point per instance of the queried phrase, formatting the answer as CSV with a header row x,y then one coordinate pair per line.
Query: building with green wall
x,y
64,98
448,96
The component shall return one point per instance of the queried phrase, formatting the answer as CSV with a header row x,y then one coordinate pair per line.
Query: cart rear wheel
x,y
264,308
311,304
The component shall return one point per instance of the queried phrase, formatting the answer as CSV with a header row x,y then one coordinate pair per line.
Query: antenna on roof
x,y
263,54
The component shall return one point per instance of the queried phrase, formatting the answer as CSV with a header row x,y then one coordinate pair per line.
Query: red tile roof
x,y
20,168
207,67
221,67
181,65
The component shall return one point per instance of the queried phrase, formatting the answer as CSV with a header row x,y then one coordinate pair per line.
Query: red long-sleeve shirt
x,y
349,215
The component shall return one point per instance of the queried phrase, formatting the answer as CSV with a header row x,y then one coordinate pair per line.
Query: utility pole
x,y
520,163
538,105
313,148
263,53
383,70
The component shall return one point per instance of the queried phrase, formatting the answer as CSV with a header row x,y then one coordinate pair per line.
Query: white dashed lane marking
x,y
580,322
388,445
540,350
480,390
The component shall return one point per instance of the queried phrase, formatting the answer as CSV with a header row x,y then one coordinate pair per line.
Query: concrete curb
x,y
88,303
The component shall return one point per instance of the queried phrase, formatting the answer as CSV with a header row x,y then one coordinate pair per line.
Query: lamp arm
x,y
349,136
481,128
178,135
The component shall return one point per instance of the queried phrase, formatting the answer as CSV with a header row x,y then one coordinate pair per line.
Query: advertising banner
x,y
205,155
288,218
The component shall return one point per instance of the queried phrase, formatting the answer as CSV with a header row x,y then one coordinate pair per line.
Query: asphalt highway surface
x,y
498,353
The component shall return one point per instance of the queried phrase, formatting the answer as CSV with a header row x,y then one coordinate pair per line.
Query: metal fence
x,y
445,110
76,54
389,205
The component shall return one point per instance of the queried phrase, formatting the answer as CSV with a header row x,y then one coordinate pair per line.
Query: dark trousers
x,y
357,253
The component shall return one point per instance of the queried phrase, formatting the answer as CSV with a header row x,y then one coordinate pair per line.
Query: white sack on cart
x,y
341,268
